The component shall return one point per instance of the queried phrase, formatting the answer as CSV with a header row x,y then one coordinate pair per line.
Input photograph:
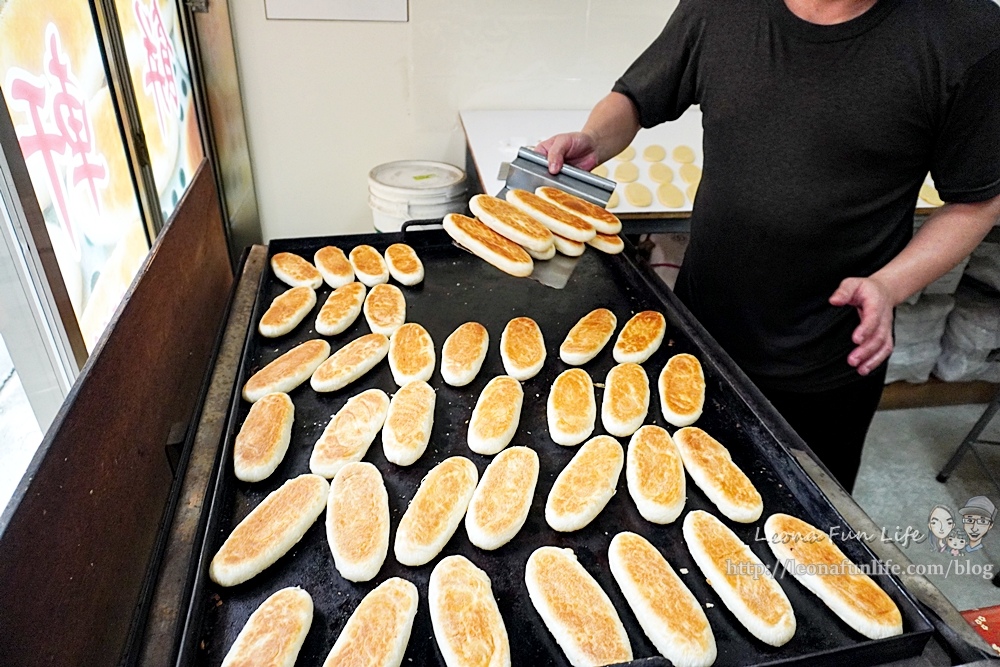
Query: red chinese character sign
x,y
158,78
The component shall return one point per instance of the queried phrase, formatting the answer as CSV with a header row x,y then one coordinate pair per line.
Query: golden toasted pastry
x,y
385,309
467,623
668,612
294,271
575,609
585,485
745,584
712,469
500,505
435,511
403,264
263,439
522,348
822,567
547,254
682,390
275,631
286,311
626,399
486,244
411,354
496,415
369,267
334,266
588,337
408,423
287,371
568,247
511,222
603,221
357,521
342,307
350,433
572,408
555,218
610,244
640,338
654,473
270,530
463,354
350,362
378,631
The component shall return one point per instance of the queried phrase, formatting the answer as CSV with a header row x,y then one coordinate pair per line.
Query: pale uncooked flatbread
x,y
670,195
627,154
626,172
654,153
690,174
692,190
638,194
683,154
614,200
600,170
660,173
930,195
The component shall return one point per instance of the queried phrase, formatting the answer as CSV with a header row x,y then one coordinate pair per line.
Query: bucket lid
x,y
417,177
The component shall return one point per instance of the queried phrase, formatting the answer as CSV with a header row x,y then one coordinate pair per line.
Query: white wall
x,y
325,101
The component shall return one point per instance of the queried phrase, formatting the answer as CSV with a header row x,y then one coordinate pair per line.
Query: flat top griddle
x,y
458,288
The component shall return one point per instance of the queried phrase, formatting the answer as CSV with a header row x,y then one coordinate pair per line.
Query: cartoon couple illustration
x,y
978,515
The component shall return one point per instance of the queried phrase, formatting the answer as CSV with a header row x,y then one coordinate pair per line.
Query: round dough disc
x,y
626,172
670,195
654,153
690,174
614,200
660,173
600,170
638,194
930,195
627,154
692,190
683,154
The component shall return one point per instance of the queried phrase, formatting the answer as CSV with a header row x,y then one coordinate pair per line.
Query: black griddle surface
x,y
458,288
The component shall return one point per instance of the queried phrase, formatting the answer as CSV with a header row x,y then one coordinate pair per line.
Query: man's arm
x,y
949,234
609,129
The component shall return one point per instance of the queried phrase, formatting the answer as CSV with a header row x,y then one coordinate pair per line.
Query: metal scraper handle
x,y
568,169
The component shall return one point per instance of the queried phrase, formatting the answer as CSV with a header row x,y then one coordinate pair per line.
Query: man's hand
x,y
873,336
577,148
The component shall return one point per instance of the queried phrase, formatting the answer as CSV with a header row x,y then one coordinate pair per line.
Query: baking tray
x,y
460,287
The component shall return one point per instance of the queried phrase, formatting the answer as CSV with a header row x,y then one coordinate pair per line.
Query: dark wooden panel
x,y
76,547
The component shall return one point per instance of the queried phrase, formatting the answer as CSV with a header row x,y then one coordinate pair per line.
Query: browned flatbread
x,y
626,400
557,219
588,337
640,338
350,433
379,629
341,309
571,408
403,264
522,348
509,221
277,629
463,354
584,487
411,354
611,244
295,271
334,266
655,475
286,311
357,521
369,267
287,371
603,220
467,623
712,469
350,362
501,503
385,309
682,390
263,439
486,244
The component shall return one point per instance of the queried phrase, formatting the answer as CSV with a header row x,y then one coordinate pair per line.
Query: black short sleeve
x,y
662,82
966,159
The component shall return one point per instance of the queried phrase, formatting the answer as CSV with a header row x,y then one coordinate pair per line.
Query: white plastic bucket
x,y
414,190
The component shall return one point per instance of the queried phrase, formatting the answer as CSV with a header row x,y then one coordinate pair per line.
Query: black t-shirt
x,y
816,141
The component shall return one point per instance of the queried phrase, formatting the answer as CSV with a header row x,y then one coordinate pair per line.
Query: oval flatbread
x,y
588,337
626,399
747,586
409,422
682,390
569,248
600,170
654,473
385,309
334,266
294,271
575,609
670,195
379,629
543,256
341,309
571,408
637,194
277,629
463,354
627,154
511,222
270,530
403,264
350,362
640,338
287,371
585,485
357,521
467,623
411,354
603,221
349,433
435,511
286,311
683,154
501,503
610,244
486,244
557,219
369,267
654,153
660,173
496,415
614,200
522,348
712,469
690,174
263,439
626,172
